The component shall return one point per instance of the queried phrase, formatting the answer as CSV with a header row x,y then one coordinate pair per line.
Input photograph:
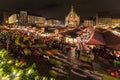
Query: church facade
x,y
72,19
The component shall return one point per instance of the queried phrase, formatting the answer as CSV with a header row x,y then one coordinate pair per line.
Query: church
x,y
72,19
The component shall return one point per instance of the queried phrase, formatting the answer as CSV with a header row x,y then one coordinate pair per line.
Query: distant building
x,y
72,19
40,21
103,19
108,20
23,18
57,23
53,22
89,22
116,20
26,20
13,19
5,16
49,22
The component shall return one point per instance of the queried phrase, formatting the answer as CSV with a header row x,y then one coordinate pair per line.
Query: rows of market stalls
x,y
100,42
107,39
104,43
25,48
89,41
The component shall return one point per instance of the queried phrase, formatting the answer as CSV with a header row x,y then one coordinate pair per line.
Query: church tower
x,y
72,19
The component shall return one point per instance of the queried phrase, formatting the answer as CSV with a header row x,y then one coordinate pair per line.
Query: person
x,y
91,56
68,50
78,52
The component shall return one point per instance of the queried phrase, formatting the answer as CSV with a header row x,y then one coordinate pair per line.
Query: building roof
x,y
115,16
108,15
104,14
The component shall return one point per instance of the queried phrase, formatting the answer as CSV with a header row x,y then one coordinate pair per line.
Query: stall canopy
x,y
96,39
71,33
106,38
112,40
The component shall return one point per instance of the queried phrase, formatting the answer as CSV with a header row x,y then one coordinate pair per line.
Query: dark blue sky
x,y
60,8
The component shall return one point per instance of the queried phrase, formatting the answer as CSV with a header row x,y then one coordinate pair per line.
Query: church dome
x,y
72,18
72,13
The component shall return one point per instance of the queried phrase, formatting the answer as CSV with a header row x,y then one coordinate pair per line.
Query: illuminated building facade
x,y
103,19
5,16
116,20
72,19
89,22
108,20
53,22
23,18
13,19
40,21
31,20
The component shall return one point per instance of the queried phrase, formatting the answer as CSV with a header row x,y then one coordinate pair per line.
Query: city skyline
x,y
60,9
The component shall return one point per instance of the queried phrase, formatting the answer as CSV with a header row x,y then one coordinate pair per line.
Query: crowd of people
x,y
22,42
26,45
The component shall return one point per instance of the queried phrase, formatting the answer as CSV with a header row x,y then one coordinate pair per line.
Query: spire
x,y
72,8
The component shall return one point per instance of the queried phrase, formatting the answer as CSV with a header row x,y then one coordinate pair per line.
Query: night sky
x,y
58,9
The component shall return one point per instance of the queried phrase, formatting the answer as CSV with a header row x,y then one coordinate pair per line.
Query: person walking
x,y
78,52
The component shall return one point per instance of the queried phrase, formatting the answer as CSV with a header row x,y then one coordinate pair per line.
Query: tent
x,y
96,39
112,40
